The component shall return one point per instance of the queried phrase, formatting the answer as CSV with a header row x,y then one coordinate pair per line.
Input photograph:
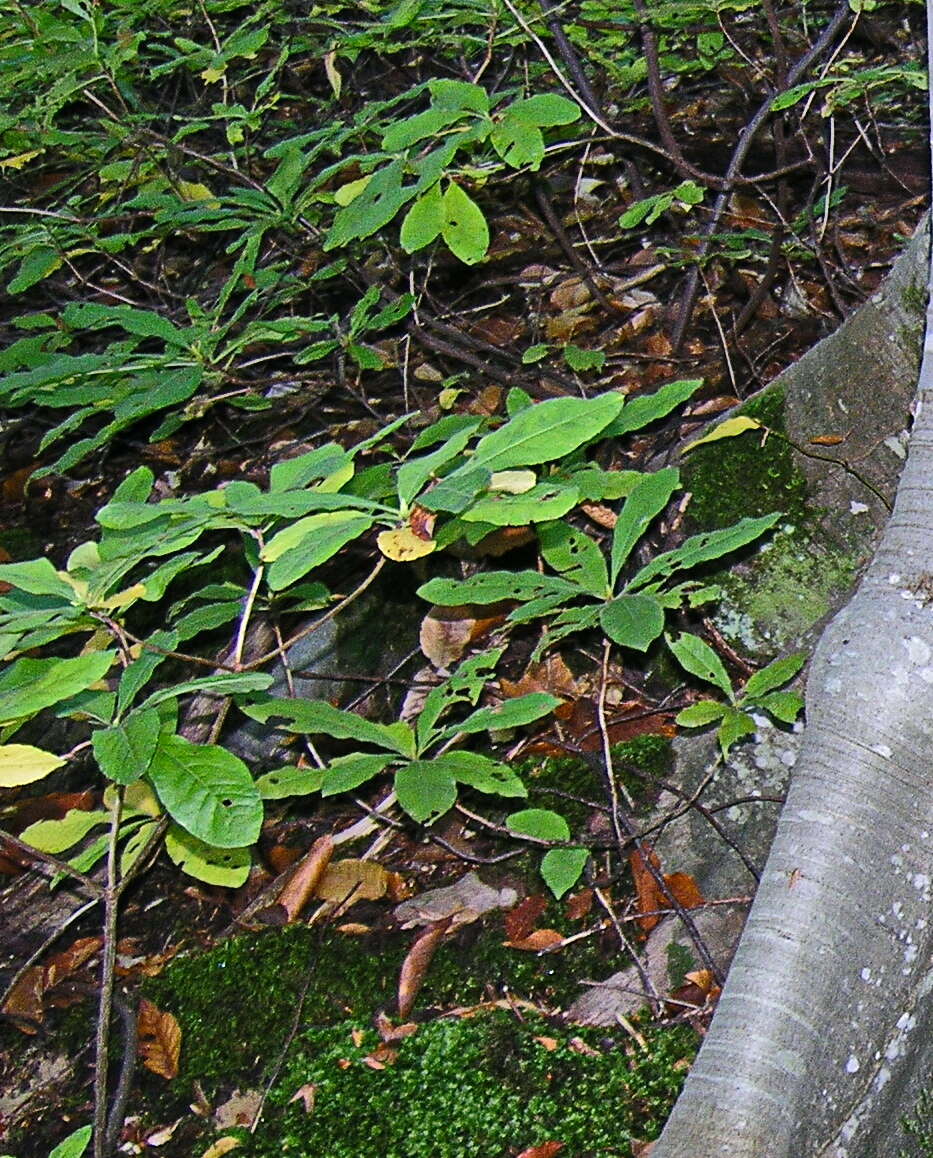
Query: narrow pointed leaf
x,y
649,497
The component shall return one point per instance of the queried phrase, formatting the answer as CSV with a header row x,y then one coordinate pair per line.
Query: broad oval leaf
x,y
464,230
124,752
309,543
225,867
700,714
481,773
281,783
208,791
24,764
424,220
575,555
425,790
561,868
543,503
539,823
55,836
632,620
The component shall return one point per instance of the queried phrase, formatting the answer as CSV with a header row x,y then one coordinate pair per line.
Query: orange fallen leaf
x,y
579,905
520,921
538,941
545,1150
301,885
159,1039
549,1043
415,965
305,1094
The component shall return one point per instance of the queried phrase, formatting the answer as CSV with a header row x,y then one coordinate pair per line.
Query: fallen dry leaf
x,y
521,920
221,1146
579,905
549,1043
25,1002
544,1150
159,1039
415,966
304,881
538,941
348,881
446,632
238,1110
306,1094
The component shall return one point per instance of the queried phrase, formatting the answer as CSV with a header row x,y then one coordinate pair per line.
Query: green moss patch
x,y
477,1087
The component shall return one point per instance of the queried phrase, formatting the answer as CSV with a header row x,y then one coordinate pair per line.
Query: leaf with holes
x,y
464,230
575,555
208,791
699,659
542,503
227,868
348,772
373,207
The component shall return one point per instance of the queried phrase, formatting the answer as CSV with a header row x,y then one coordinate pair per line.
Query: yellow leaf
x,y
124,598
346,193
447,397
212,75
195,191
513,482
402,545
22,764
729,429
20,159
221,1146
333,76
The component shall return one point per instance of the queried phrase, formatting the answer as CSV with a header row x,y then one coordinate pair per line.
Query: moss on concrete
x,y
774,597
738,477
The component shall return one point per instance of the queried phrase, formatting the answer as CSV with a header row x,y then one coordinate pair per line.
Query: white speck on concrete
x,y
894,578
918,650
865,974
921,881
882,750
857,508
852,1065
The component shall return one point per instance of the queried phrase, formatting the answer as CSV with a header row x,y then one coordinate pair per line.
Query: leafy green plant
x,y
734,718
466,478
71,1147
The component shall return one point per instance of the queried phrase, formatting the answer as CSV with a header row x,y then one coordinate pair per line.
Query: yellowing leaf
x,y
402,545
195,191
22,764
334,79
221,1146
124,598
729,429
513,482
353,880
349,192
212,75
20,159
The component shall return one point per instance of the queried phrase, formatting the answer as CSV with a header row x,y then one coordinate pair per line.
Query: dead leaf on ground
x,y
304,881
579,905
650,897
305,1094
446,632
26,1001
221,1146
415,966
538,941
238,1110
549,1043
544,1150
159,1040
348,881
464,901
521,921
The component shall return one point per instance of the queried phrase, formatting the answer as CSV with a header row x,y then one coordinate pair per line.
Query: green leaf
x,y
464,230
124,752
295,473
413,474
137,674
55,836
36,265
317,717
425,791
561,868
649,497
226,868
459,94
547,431
494,586
645,409
513,713
734,726
208,791
481,773
777,672
632,620
281,783
540,823
518,141
464,687
784,706
38,577
704,547
575,555
455,493
700,714
348,772
700,660
372,208
424,220
547,110
403,134
221,684
74,1145
308,543
542,503
580,360
29,685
